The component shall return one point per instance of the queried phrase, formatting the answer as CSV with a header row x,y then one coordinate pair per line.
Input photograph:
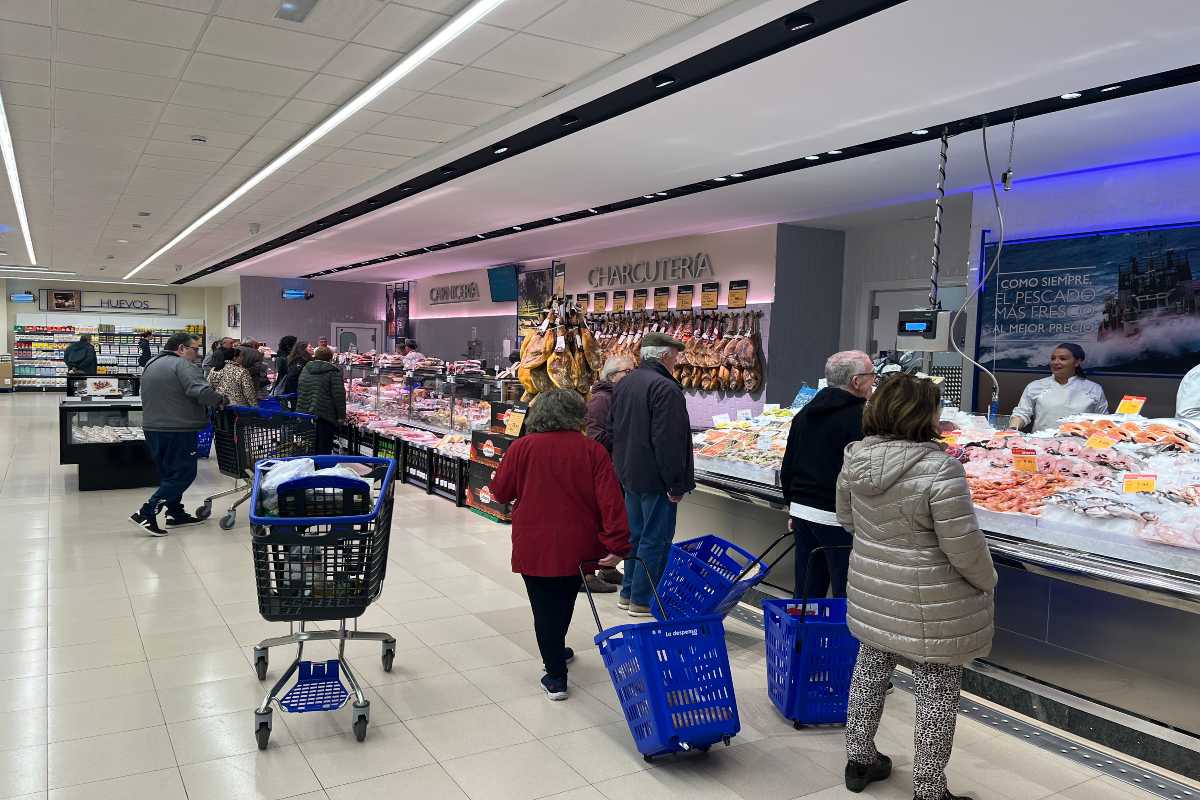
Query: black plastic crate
x,y
448,477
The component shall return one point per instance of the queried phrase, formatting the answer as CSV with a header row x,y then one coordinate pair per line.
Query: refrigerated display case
x,y
105,439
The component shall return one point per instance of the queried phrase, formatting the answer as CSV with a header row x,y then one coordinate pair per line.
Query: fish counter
x,y
1095,531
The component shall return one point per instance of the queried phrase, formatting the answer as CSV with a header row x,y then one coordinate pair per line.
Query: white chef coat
x,y
1046,401
1187,401
411,360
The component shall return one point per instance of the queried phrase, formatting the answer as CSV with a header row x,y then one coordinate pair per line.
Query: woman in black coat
x,y
281,360
297,358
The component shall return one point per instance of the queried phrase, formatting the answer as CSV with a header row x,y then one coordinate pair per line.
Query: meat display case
x,y
1097,629
382,397
104,437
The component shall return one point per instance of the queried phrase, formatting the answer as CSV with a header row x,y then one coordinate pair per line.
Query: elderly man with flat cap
x,y
652,451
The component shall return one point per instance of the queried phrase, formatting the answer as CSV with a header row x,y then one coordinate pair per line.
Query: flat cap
x,y
659,339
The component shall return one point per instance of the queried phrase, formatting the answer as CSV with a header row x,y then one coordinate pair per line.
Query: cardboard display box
x,y
478,495
488,448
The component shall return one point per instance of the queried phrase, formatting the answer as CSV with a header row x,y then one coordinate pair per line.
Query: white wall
x,y
4,324
229,295
421,308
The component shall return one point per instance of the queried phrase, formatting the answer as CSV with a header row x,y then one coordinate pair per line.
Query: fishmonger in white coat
x,y
1065,392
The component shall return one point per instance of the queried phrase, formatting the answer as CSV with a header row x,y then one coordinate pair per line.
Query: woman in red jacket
x,y
569,510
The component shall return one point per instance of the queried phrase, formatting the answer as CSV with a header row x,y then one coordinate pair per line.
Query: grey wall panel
x,y
807,311
266,316
447,338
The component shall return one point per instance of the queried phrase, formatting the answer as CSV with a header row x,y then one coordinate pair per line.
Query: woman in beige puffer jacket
x,y
921,579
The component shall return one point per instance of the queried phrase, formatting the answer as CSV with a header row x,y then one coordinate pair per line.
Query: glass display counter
x,y
105,439
382,397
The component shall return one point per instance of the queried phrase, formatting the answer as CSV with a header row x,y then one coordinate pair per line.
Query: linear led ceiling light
x,y
446,34
14,180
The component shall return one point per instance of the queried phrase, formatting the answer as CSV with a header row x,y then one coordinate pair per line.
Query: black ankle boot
x,y
950,796
859,776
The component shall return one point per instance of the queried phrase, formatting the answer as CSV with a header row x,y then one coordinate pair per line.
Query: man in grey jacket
x,y
175,403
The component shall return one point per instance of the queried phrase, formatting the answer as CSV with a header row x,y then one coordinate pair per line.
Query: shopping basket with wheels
x,y
204,441
320,555
672,679
245,435
810,656
278,402
708,575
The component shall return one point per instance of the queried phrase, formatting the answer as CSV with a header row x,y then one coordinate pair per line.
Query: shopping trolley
x,y
321,555
672,679
278,402
810,655
244,435
709,575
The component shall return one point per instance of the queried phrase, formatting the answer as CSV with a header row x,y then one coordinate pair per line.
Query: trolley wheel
x,y
262,728
648,759
798,726
703,749
204,511
361,716
724,739
261,661
389,654
229,520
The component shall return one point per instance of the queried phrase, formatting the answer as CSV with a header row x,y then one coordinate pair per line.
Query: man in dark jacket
x,y
80,357
652,451
600,403
144,353
175,403
811,463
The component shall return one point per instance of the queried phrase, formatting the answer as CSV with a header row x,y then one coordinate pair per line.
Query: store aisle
x,y
127,674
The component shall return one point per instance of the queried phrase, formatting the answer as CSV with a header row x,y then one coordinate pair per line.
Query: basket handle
x,y
592,600
765,553
808,571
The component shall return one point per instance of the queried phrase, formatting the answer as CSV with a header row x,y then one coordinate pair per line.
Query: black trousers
x,y
326,433
829,567
553,604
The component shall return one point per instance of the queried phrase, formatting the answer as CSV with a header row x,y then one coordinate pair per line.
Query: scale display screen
x,y
916,327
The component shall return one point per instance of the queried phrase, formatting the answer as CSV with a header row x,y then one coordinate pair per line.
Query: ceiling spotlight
x,y
593,211
447,170
567,120
1112,88
737,174
722,178
480,236
648,197
811,158
920,132
661,194
500,150
662,80
798,21
135,225
834,153
143,213
516,227
557,219
1071,96
199,139
3,252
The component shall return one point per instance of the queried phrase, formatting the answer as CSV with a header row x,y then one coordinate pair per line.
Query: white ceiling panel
x,y
199,6
99,104
359,62
207,119
25,94
197,152
112,82
453,109
19,39
242,40
390,145
25,70
473,43
546,59
179,164
183,135
400,28
422,129
621,26
222,99
101,123
29,123
363,121
518,14
449,7
338,19
473,83
330,89
695,8
428,75
284,129
394,99
35,12
102,51
366,158
343,176
305,111
124,19
244,75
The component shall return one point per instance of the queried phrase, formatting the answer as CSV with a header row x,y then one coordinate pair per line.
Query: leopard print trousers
x,y
937,695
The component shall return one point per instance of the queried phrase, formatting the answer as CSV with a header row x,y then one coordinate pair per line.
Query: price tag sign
x,y
950,439
513,422
1099,441
662,298
770,407
1024,459
639,299
737,293
599,302
721,419
684,297
619,300
1131,404
745,413
1139,483
709,293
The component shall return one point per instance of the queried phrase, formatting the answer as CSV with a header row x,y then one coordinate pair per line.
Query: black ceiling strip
x,y
810,22
1037,108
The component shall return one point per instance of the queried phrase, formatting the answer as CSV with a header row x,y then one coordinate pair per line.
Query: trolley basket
x,y
246,435
673,681
810,658
709,575
323,554
278,402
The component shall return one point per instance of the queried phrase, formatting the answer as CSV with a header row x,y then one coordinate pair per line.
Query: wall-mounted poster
x,y
560,279
1129,298
233,315
533,295
58,300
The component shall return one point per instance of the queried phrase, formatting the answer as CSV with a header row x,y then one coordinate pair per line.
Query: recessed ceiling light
x,y
648,197
198,138
3,252
500,150
110,257
29,272
834,153
426,50
480,236
557,219
594,211
662,80
811,158
798,21
294,10
920,132
447,170
143,213
722,178
1112,88
567,120
14,179
122,241
1071,96
661,194
737,174
516,227
135,225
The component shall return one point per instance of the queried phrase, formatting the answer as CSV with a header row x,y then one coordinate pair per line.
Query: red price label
x,y
1024,459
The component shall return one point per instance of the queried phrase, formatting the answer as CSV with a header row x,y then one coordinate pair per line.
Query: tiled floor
x,y
126,673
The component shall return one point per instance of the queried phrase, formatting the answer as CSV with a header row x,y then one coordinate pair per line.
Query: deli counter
x,y
1098,607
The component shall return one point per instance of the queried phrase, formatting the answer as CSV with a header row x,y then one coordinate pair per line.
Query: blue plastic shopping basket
x,y
204,440
673,681
810,657
709,575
